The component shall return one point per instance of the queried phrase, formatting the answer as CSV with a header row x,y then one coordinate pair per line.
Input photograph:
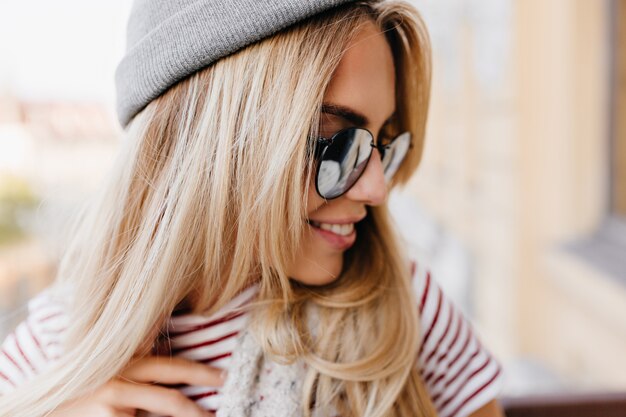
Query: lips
x,y
339,236
338,229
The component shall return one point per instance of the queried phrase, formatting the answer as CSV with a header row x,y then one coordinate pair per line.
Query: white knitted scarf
x,y
257,386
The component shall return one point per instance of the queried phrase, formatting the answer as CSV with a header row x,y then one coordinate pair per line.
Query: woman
x,y
244,229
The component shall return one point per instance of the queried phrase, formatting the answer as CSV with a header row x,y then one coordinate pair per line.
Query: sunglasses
x,y
342,159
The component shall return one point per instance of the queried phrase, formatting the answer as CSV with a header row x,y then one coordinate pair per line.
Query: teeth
x,y
339,229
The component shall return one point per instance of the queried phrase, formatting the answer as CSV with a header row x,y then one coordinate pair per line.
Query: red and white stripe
x,y
34,343
209,340
459,373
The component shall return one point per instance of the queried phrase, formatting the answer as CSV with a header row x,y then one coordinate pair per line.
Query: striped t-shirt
x,y
459,373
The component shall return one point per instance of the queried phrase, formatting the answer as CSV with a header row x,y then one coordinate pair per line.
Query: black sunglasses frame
x,y
322,144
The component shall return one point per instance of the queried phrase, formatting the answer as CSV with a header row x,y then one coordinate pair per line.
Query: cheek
x,y
313,201
315,264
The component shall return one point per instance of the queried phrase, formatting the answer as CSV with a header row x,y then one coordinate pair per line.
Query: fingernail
x,y
223,375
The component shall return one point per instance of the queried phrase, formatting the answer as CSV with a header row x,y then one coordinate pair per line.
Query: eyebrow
x,y
349,114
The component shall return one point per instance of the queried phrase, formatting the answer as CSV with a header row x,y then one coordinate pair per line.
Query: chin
x,y
319,273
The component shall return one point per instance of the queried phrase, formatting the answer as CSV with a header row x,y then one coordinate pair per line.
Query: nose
x,y
371,187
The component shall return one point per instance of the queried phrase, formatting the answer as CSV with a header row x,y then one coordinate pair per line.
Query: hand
x,y
135,390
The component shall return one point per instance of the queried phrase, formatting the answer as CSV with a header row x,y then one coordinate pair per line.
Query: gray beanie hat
x,y
168,40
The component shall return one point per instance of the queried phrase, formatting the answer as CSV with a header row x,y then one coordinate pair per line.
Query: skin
x,y
491,409
136,388
365,82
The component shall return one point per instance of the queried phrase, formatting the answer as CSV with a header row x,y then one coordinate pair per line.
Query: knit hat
x,y
167,40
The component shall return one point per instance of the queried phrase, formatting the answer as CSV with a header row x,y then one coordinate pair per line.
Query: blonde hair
x,y
209,195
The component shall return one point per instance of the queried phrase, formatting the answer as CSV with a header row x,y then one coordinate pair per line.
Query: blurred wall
x,y
517,167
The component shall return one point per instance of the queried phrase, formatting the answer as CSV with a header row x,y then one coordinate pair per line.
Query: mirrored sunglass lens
x,y
395,153
343,162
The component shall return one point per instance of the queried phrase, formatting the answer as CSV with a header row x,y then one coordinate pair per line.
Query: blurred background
x,y
519,205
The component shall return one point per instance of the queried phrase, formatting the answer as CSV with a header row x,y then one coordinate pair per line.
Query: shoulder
x,y
37,340
210,339
460,373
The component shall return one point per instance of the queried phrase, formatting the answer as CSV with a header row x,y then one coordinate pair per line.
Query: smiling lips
x,y
338,236
339,229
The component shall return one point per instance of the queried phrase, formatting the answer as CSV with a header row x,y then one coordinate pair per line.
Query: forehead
x,y
365,78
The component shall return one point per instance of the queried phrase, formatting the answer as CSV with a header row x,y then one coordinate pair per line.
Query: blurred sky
x,y
61,49
68,49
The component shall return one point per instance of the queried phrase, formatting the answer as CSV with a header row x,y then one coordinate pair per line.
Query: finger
x,y
152,398
173,370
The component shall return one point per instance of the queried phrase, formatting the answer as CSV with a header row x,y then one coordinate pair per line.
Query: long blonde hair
x,y
209,195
